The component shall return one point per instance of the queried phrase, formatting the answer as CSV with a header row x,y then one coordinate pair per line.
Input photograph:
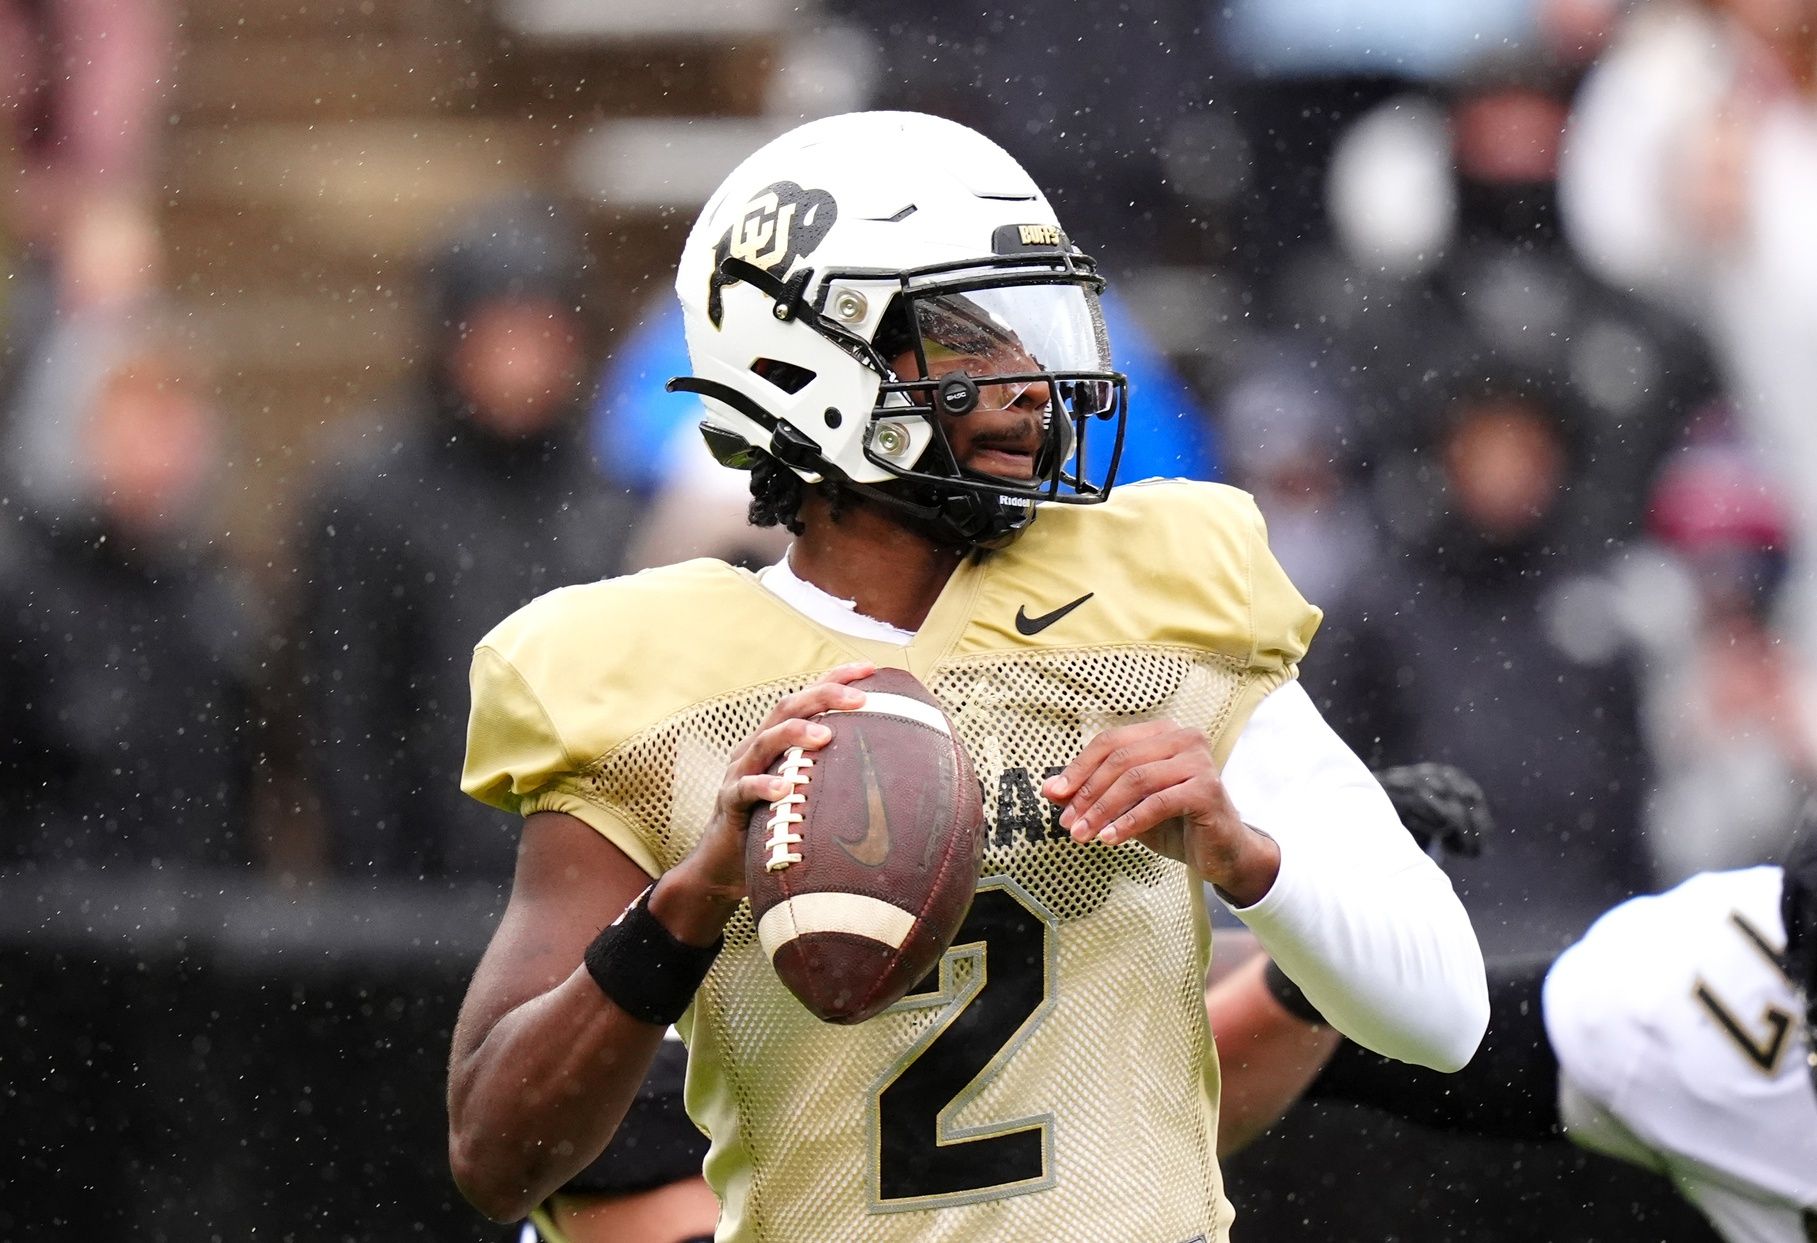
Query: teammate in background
x,y
895,337
1676,1034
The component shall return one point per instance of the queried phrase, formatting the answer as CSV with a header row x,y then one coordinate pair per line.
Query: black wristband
x,y
1289,995
641,967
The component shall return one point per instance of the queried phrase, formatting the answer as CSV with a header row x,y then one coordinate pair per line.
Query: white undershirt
x,y
1362,920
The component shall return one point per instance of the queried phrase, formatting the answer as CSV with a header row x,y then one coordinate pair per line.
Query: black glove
x,y
1442,804
1436,803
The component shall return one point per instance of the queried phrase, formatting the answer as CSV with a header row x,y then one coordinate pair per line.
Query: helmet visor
x,y
1009,338
959,341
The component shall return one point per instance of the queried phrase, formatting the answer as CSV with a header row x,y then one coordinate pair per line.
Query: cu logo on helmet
x,y
779,224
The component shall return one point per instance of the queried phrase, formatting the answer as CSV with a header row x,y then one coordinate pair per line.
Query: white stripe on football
x,y
831,911
900,705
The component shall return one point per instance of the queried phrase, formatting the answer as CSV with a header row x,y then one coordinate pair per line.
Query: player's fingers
x,y
827,695
1134,785
1135,751
747,792
1159,741
749,782
1464,785
1066,785
848,672
1480,825
828,692
1172,802
768,745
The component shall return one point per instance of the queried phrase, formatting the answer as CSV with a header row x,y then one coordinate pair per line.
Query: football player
x,y
894,336
1676,1034
646,1187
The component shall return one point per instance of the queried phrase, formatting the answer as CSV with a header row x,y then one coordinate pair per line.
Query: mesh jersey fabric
x,y
1060,1056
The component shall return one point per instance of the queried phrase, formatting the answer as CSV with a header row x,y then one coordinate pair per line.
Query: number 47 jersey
x,y
1054,1077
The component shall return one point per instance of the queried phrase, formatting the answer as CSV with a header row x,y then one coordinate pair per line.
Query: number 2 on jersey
x,y
921,1157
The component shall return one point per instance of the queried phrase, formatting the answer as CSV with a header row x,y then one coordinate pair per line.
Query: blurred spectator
x,y
474,495
1285,441
1295,75
1690,176
1575,32
128,647
1301,72
1450,266
1034,76
1477,645
80,82
1729,703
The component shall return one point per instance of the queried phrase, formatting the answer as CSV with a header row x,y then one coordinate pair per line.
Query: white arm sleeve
x,y
1358,917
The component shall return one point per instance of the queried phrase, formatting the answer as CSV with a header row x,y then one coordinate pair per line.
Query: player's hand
x,y
1157,782
714,871
1440,805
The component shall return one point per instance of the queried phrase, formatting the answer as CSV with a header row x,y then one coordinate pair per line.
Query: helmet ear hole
x,y
785,376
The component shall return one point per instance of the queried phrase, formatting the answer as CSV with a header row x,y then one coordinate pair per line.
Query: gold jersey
x,y
1055,1078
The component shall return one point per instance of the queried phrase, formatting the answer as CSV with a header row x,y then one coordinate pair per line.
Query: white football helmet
x,y
847,246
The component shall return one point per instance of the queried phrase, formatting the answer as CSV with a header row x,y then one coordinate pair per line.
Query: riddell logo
x,y
780,224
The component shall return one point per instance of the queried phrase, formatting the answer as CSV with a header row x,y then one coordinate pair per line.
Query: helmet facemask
x,y
1011,355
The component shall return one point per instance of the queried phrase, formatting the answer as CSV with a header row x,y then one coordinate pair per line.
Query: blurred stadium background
x,y
331,330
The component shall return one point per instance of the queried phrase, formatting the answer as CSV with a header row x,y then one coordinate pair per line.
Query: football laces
x,y
785,812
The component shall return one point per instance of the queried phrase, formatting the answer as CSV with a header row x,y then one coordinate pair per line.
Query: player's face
x,y
1002,436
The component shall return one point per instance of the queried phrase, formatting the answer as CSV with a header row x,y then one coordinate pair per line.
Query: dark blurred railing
x,y
189,1058
194,1058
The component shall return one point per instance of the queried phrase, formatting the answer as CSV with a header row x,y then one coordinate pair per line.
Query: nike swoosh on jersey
x,y
874,847
1035,625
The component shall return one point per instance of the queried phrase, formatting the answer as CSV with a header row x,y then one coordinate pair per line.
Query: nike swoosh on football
x,y
1035,625
874,847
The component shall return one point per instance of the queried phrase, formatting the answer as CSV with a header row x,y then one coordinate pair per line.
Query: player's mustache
x,y
1025,433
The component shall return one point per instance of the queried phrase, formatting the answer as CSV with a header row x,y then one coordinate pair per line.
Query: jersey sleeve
x,y
517,761
1281,620
1359,917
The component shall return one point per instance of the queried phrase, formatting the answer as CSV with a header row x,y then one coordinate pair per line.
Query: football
x,y
860,877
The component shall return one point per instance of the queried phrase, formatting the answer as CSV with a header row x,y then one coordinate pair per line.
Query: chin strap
x,y
971,520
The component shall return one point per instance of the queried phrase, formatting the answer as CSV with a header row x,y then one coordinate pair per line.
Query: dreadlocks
x,y
777,492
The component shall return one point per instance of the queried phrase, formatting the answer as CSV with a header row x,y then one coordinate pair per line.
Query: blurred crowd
x,y
1504,312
